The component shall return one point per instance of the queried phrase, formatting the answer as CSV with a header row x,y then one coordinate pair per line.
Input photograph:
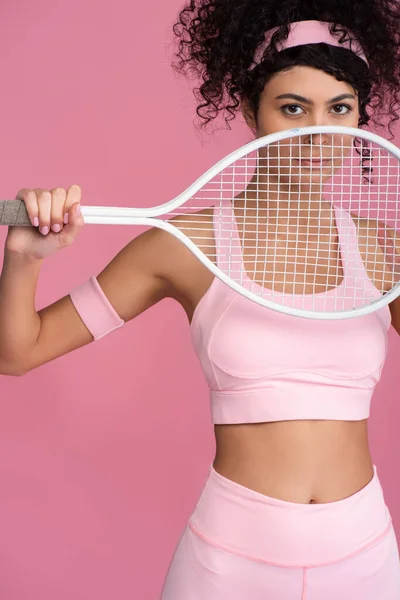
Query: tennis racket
x,y
302,221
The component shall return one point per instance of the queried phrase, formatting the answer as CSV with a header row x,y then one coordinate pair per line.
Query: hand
x,y
55,220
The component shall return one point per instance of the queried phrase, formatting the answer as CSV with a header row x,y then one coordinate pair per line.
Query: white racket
x,y
304,221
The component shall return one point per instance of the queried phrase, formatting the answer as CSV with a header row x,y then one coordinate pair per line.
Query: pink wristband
x,y
95,309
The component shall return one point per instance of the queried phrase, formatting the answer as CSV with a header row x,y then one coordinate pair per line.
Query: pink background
x,y
103,452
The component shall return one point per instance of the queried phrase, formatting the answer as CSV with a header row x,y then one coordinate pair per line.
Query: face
x,y
302,97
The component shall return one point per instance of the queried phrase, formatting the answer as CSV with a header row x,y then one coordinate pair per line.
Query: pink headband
x,y
307,32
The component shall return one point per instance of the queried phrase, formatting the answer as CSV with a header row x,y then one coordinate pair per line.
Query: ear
x,y
248,114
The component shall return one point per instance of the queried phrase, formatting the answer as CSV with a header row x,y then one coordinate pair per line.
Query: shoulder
x,y
385,238
166,257
163,251
379,246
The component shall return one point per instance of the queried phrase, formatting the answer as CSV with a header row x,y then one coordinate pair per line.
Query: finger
x,y
58,197
28,196
74,196
44,205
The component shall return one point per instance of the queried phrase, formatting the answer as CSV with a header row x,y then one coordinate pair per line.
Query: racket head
x,y
288,255
310,239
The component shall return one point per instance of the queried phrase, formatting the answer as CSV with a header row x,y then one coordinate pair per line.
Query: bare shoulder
x,y
161,254
170,268
198,227
165,263
378,233
373,225
187,275
379,246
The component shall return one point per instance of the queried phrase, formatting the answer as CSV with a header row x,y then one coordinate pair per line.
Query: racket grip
x,y
13,212
95,309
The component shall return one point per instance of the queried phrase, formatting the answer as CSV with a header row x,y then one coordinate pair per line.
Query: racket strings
x,y
285,225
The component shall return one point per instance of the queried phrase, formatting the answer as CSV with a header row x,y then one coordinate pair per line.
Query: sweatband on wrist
x,y
95,309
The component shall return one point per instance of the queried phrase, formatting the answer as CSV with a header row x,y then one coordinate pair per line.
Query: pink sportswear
x,y
262,365
240,544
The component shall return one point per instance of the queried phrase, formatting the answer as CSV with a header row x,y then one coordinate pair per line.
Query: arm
x,y
134,280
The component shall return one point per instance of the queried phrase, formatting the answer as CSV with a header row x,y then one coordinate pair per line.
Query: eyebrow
x,y
306,101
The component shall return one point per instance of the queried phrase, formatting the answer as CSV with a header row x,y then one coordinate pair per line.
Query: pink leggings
x,y
239,544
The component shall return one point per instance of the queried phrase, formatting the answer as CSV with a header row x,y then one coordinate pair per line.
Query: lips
x,y
314,162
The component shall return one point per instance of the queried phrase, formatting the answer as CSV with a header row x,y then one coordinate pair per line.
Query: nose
x,y
316,139
317,118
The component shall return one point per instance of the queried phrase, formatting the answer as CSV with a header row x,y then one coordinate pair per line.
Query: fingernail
x,y
56,228
78,209
36,222
66,218
44,230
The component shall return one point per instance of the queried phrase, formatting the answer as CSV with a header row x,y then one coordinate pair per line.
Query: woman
x,y
292,507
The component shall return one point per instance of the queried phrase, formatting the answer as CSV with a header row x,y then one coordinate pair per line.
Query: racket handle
x,y
13,212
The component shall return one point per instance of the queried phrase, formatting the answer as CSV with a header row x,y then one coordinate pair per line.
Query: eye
x,y
291,109
342,109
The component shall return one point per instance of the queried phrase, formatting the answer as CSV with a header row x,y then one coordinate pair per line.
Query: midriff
x,y
304,461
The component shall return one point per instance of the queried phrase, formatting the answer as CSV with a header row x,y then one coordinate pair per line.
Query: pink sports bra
x,y
262,365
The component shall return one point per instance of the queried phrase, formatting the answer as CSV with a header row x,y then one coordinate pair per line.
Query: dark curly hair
x,y
219,38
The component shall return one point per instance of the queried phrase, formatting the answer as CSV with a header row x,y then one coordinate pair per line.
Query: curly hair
x,y
218,40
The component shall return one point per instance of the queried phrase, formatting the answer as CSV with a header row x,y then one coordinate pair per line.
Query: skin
x,y
303,461
311,460
299,461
